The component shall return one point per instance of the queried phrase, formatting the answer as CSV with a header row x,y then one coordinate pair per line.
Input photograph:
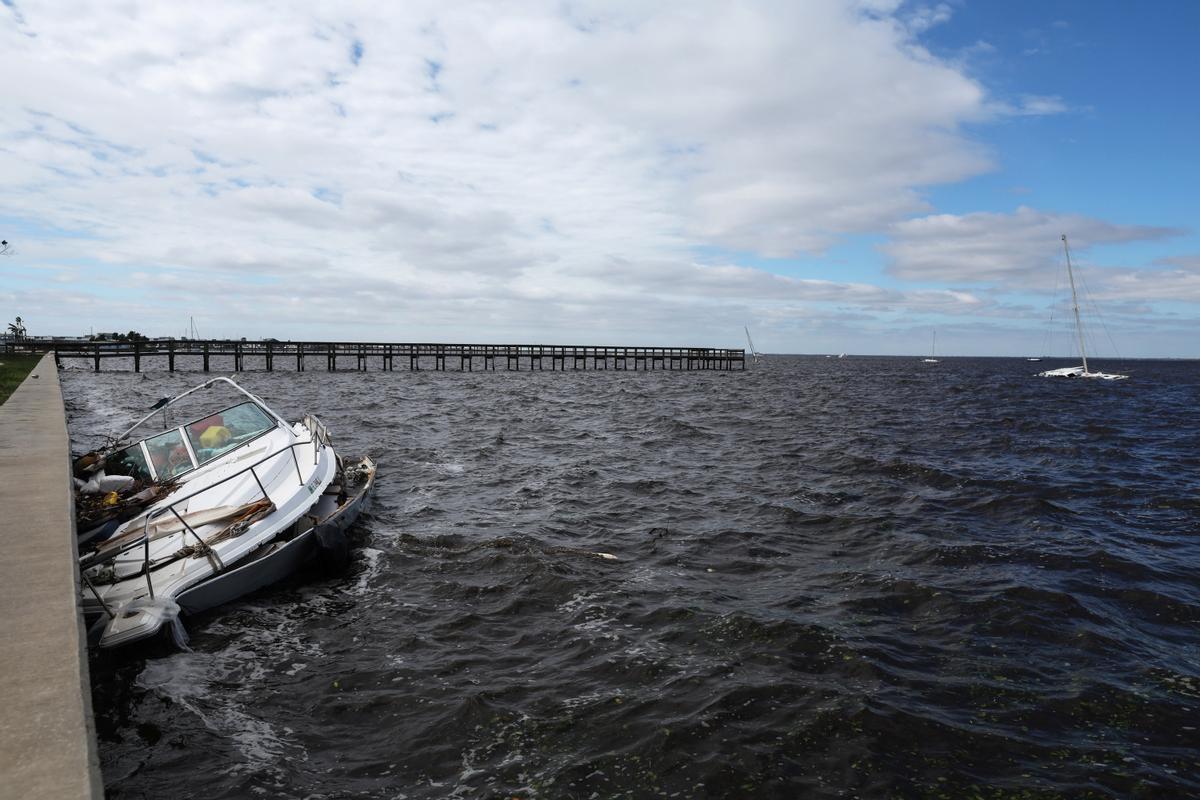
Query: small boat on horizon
x,y
932,352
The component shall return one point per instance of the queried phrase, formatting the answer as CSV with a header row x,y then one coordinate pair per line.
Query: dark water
x,y
836,578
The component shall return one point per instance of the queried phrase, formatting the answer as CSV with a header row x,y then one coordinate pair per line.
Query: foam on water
x,y
208,685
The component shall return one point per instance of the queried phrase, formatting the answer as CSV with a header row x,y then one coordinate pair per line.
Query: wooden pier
x,y
242,355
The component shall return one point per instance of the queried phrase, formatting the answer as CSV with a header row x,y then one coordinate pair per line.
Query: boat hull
x,y
1080,372
324,541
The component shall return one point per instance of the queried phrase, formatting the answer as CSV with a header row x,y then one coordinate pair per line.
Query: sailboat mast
x,y
1075,303
749,341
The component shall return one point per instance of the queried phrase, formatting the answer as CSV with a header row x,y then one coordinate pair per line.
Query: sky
x,y
851,176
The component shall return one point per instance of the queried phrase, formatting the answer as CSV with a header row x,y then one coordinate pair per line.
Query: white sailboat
x,y
1082,371
757,356
932,352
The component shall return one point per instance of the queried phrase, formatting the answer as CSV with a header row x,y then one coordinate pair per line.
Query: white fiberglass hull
x,y
1080,372
293,480
325,539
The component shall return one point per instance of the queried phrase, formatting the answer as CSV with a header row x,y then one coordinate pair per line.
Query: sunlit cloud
x,y
520,145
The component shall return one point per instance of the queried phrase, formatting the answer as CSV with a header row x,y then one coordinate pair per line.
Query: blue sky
x,y
1125,150
838,175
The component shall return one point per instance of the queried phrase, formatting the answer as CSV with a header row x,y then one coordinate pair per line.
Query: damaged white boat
x,y
244,483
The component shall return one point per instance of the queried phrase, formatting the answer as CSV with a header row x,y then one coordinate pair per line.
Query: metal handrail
x,y
89,561
221,379
318,431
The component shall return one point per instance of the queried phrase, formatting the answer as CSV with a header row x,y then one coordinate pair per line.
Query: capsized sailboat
x,y
1080,371
757,356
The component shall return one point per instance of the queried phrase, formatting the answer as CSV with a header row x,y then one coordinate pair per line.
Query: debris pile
x,y
103,501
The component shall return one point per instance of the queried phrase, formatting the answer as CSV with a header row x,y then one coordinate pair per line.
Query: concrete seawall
x,y
47,737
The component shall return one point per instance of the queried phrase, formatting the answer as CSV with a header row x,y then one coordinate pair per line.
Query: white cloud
x,y
1181,285
1022,249
743,125
1035,106
922,18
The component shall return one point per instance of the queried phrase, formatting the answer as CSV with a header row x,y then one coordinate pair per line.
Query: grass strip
x,y
13,370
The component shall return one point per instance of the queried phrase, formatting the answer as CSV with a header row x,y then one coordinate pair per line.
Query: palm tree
x,y
17,329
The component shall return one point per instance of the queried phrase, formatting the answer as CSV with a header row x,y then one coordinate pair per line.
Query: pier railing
x,y
242,355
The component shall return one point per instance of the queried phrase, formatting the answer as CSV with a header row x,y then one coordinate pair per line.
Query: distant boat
x,y
1077,372
932,352
841,355
757,356
1033,358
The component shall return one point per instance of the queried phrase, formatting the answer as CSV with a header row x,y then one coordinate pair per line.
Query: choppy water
x,y
836,578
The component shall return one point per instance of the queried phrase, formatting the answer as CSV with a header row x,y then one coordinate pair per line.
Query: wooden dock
x,y
242,355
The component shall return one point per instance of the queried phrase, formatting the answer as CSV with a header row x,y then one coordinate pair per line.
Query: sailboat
x,y
932,352
757,356
1083,371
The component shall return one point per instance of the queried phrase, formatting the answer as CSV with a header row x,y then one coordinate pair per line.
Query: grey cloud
x,y
1018,249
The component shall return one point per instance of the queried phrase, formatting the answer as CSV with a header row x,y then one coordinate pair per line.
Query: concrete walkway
x,y
47,739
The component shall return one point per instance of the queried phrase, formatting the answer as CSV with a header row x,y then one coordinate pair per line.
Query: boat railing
x,y
317,432
319,440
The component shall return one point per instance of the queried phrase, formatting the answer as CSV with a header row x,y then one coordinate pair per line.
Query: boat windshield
x,y
168,454
219,433
129,461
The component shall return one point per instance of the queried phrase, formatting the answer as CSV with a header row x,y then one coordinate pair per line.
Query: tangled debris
x,y
103,502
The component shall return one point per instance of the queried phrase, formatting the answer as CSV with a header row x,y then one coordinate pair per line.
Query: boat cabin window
x,y
169,455
129,461
216,435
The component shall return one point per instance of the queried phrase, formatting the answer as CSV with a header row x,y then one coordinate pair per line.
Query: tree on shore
x,y
132,336
17,329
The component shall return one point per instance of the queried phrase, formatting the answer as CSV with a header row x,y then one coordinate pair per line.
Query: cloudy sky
x,y
838,175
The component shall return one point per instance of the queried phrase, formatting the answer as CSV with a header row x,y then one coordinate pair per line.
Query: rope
x,y
1047,343
1095,312
253,514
